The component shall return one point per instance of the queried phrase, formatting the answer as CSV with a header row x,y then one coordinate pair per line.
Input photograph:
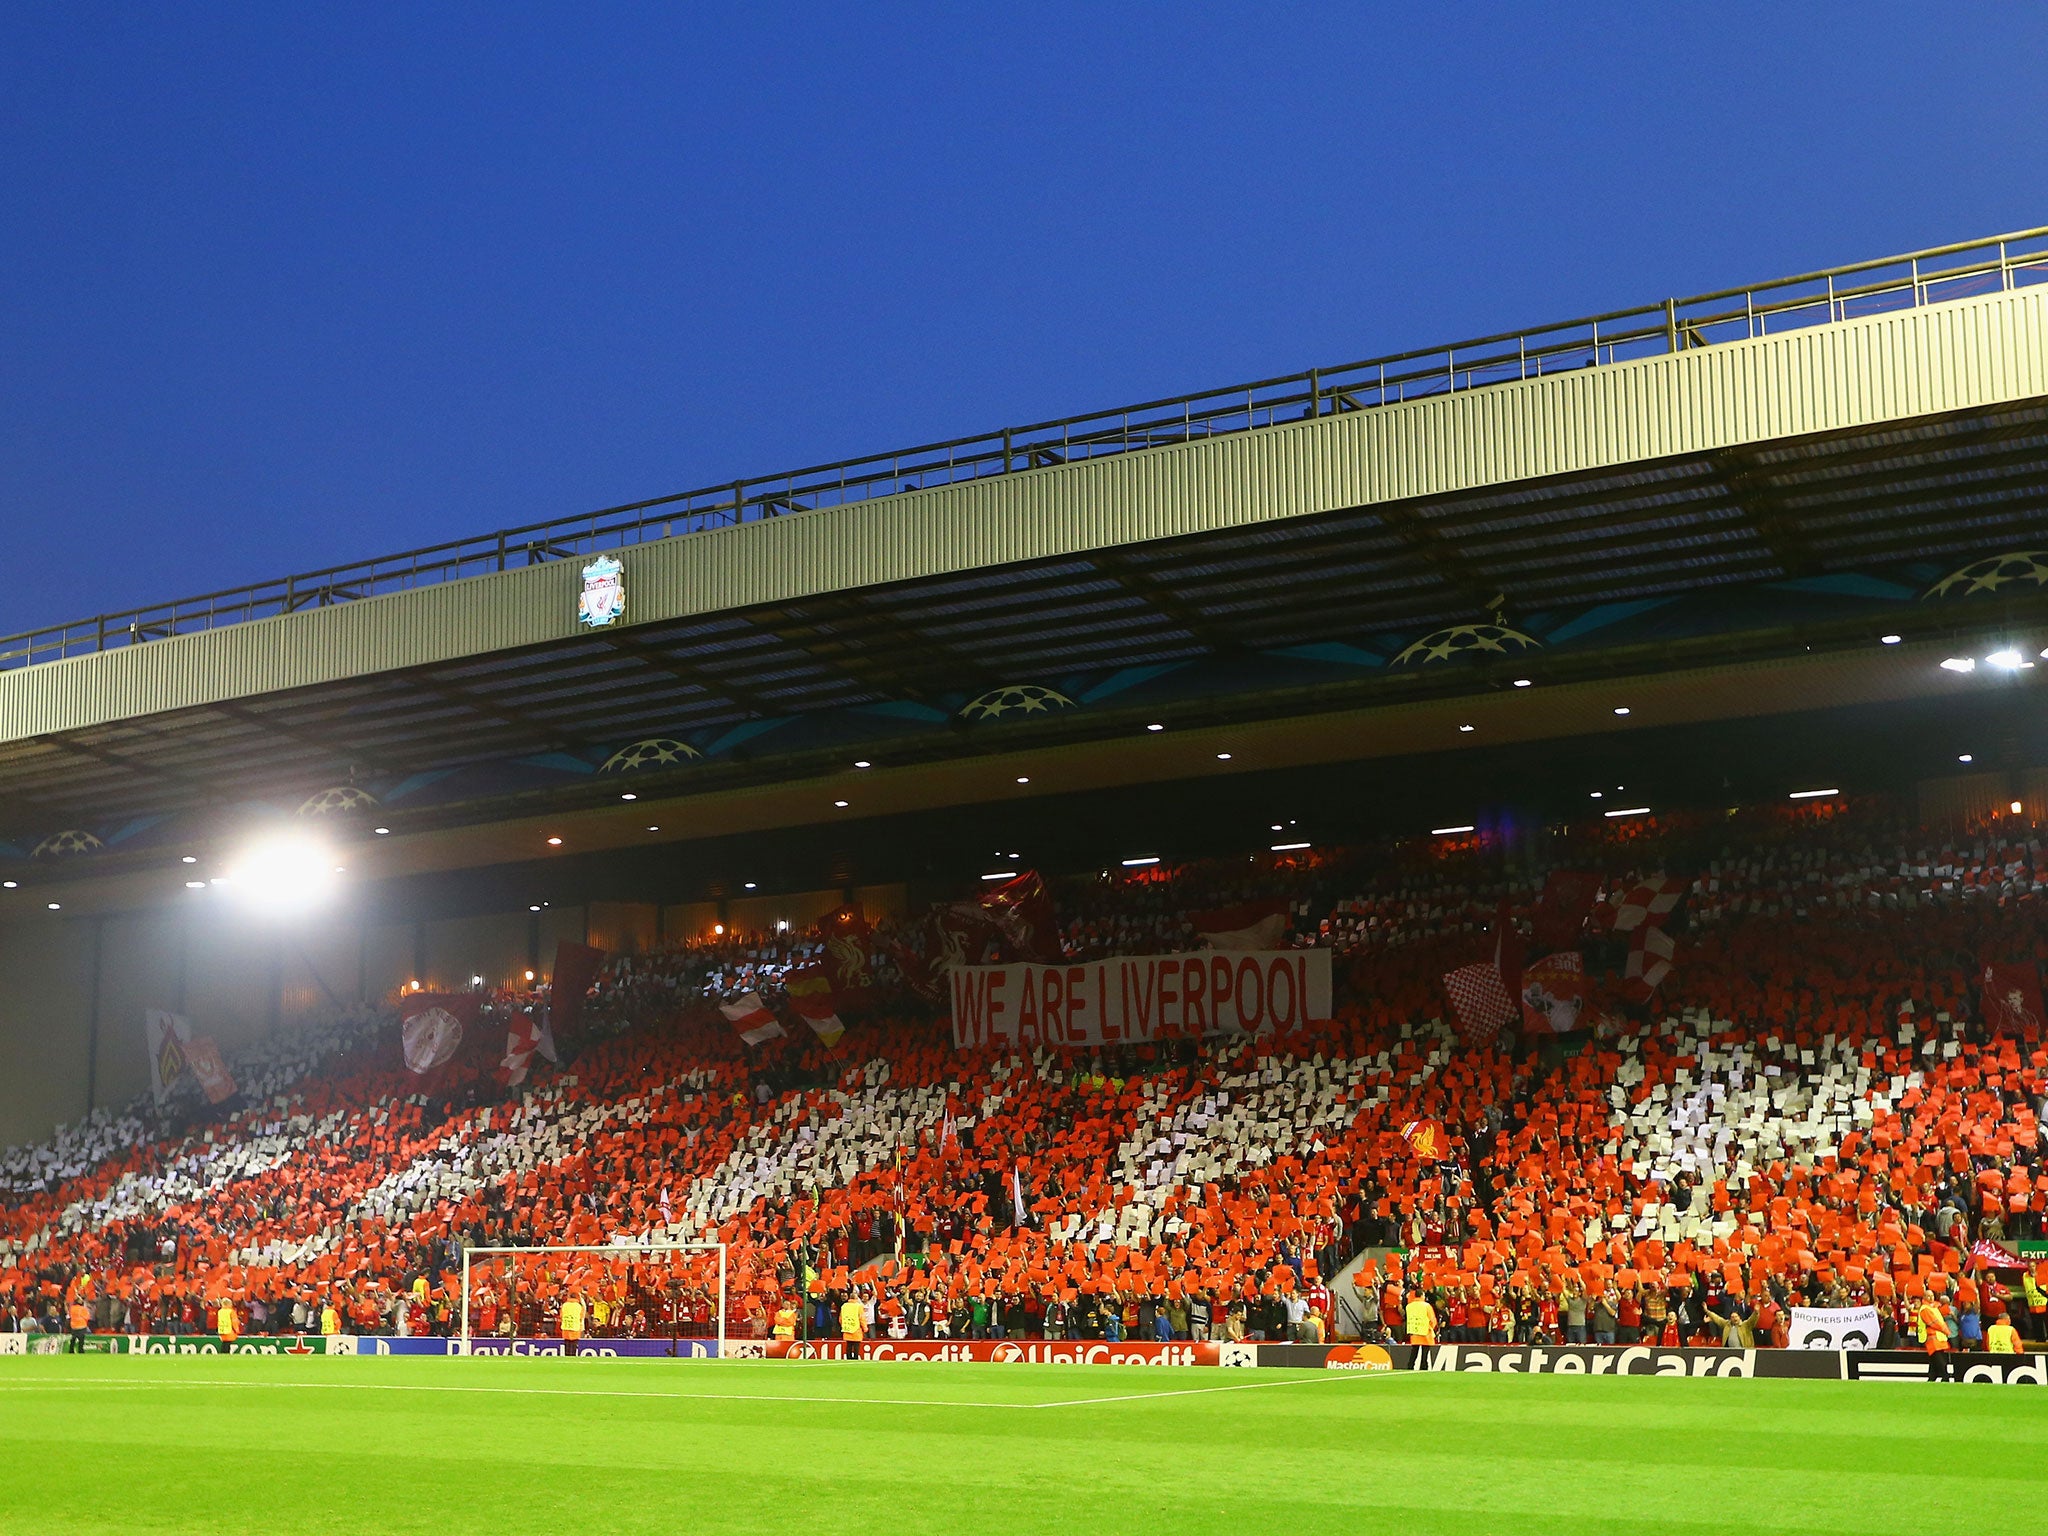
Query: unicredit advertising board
x,y
1139,997
1021,1351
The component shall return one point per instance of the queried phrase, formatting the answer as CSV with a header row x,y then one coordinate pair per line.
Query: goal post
x,y
627,1290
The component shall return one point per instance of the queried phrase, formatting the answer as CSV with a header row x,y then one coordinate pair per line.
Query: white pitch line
x,y
1236,1386
399,1386
725,1397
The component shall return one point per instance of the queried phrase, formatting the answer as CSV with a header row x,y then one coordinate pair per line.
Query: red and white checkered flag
x,y
1650,956
1480,1000
1651,902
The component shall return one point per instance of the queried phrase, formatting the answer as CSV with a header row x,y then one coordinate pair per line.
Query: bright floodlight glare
x,y
1813,794
1960,664
2016,807
1449,831
529,975
2007,660
476,981
282,874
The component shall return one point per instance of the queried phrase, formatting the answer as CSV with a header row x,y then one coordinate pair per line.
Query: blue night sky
x,y
282,286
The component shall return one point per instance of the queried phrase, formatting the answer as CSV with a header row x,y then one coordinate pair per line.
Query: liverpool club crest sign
x,y
604,592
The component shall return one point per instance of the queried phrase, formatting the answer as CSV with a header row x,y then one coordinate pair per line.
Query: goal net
x,y
621,1298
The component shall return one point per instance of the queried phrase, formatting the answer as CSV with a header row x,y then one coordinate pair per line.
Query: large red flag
x,y
215,1081
1022,910
1553,992
2011,999
1561,910
439,1036
1252,925
576,967
848,942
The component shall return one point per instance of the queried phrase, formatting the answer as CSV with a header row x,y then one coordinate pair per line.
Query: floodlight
x,y
282,875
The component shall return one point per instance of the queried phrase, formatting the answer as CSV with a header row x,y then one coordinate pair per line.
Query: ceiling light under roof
x,y
1632,810
2007,660
1155,726
1621,709
862,763
1525,682
1449,831
841,804
629,795
1965,757
1889,639
1813,794
1960,664
1150,858
1466,728
554,842
1290,847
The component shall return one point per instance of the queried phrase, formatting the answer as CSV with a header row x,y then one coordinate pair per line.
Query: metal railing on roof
x,y
1996,264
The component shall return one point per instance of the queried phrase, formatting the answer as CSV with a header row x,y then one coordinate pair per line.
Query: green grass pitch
x,y
275,1447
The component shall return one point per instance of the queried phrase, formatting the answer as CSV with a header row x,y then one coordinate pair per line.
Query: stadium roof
x,y
1246,582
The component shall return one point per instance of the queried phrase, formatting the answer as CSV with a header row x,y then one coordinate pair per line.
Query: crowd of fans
x,y
1817,1107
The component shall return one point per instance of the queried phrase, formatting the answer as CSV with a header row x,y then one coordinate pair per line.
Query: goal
x,y
635,1298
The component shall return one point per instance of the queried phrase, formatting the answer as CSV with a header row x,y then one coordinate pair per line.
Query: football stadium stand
x,y
1667,1082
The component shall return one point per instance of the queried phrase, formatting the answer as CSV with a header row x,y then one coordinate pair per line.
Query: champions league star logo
x,y
604,592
